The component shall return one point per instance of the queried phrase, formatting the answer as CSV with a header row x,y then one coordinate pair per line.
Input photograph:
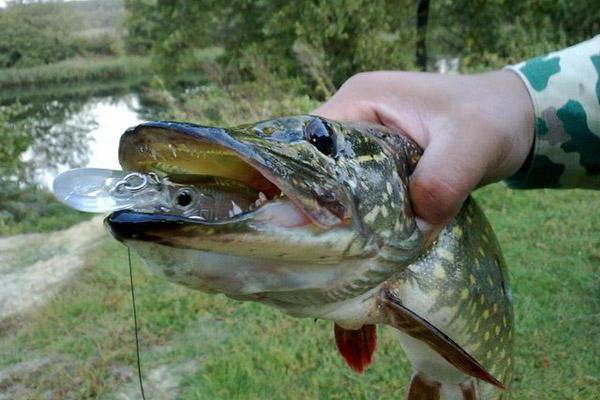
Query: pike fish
x,y
313,217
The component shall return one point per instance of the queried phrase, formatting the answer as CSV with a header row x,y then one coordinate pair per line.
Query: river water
x,y
81,130
104,120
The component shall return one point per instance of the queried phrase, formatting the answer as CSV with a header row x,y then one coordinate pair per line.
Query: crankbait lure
x,y
99,190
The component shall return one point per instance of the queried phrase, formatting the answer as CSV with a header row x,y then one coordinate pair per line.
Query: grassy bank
x,y
76,71
34,210
65,92
207,347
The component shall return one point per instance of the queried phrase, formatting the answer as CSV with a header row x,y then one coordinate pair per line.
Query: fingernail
x,y
428,231
424,226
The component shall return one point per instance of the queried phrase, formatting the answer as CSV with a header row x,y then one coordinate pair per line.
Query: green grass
x,y
60,217
34,210
76,70
552,246
249,351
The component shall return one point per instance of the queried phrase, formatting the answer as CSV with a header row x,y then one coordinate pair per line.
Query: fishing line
x,y
135,326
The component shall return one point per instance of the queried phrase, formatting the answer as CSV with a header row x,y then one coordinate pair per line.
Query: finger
x,y
354,101
342,108
443,178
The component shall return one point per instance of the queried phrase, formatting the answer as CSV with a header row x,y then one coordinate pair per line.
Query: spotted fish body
x,y
461,285
331,235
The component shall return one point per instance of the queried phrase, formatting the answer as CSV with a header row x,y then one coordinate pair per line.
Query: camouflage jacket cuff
x,y
565,90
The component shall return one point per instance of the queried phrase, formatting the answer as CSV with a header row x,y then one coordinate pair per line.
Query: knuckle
x,y
434,200
360,79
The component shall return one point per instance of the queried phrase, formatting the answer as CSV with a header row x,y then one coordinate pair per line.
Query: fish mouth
x,y
224,180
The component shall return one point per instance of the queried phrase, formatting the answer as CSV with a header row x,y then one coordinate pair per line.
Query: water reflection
x,y
60,136
77,127
87,137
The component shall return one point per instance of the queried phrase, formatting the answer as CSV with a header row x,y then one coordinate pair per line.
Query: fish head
x,y
286,204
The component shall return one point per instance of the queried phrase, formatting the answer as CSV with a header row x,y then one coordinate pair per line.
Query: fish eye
x,y
184,198
317,134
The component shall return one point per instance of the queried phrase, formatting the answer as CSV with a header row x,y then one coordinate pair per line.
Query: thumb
x,y
442,180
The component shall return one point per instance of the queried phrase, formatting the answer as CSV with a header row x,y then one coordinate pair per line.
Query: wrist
x,y
526,131
510,102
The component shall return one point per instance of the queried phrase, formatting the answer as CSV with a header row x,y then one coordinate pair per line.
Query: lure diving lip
x,y
99,190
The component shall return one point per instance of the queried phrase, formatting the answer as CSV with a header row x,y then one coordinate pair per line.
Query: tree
x,y
322,43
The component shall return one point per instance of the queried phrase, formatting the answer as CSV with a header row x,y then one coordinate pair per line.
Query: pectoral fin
x,y
356,346
417,327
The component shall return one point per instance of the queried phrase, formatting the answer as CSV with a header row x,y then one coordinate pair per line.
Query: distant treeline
x,y
324,42
38,33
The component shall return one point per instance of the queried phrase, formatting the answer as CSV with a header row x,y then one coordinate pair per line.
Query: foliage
x,y
491,34
339,38
32,36
321,42
76,70
165,29
30,209
226,104
347,36
142,25
98,44
17,135
44,33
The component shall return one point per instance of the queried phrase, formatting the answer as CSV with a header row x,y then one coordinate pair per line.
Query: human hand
x,y
474,129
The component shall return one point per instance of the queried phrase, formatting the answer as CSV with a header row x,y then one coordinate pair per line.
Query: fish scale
x,y
335,238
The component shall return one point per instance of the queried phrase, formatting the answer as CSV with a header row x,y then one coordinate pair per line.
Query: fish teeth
x,y
173,151
235,208
262,199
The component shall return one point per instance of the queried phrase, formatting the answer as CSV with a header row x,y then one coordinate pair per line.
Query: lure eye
x,y
184,198
317,134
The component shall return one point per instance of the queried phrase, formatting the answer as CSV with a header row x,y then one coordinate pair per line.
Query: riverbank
x,y
76,70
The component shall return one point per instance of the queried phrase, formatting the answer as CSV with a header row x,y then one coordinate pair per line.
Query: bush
x,y
233,104
29,209
49,32
104,44
17,135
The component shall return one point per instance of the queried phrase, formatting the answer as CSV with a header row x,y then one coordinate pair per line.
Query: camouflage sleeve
x,y
565,90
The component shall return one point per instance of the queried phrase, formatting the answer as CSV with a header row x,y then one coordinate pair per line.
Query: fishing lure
x,y
99,190
102,190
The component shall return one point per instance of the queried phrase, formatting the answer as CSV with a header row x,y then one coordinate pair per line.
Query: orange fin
x,y
414,325
357,346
